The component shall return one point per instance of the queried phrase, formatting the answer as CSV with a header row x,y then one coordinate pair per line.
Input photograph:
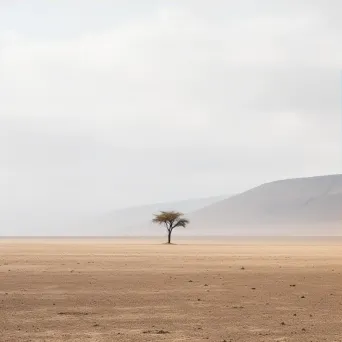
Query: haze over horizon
x,y
108,105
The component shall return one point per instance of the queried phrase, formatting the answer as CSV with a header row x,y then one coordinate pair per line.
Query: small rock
x,y
160,332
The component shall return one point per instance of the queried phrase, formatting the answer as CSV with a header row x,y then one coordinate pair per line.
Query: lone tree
x,y
171,220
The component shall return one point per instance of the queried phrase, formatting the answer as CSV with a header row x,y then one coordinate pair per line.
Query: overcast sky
x,y
106,104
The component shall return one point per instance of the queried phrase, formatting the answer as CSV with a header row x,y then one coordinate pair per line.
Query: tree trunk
x,y
169,236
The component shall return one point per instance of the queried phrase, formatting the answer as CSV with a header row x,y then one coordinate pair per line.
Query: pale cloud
x,y
211,97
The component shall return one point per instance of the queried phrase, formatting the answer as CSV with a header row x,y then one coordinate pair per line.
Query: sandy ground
x,y
140,290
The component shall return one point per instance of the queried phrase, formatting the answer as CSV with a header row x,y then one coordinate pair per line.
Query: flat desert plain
x,y
197,290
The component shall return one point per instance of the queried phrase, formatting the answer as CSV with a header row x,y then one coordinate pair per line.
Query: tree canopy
x,y
171,220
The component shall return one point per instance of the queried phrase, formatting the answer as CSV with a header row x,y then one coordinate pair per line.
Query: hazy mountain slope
x,y
292,204
136,220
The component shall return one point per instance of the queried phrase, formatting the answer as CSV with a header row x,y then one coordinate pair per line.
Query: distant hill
x,y
297,207
302,206
137,220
